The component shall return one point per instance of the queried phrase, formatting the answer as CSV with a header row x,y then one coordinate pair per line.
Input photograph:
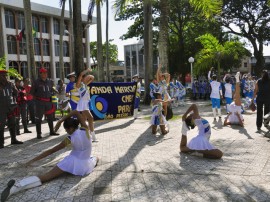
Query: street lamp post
x,y
191,60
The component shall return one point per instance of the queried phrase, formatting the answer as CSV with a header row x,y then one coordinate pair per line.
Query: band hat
x,y
3,71
136,75
43,70
71,74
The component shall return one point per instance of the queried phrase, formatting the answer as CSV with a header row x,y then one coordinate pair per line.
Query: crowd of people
x,y
21,97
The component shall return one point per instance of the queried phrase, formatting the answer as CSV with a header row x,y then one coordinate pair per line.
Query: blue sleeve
x,y
233,88
68,88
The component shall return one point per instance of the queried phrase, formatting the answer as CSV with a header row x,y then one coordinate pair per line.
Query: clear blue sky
x,y
116,29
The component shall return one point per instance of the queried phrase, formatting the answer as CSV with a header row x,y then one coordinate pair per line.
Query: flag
x,y
20,35
91,10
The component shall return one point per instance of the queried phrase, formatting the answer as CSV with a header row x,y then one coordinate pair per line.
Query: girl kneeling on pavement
x,y
78,162
199,145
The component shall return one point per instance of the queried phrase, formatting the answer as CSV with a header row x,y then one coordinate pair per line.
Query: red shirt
x,y
28,95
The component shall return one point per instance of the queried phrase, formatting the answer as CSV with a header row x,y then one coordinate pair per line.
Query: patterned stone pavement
x,y
138,166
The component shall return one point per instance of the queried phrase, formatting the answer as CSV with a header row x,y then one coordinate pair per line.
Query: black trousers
x,y
11,125
41,108
260,113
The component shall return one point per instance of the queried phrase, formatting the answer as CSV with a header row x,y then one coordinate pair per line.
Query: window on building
x,y
47,66
9,18
23,48
56,47
24,70
46,47
66,68
44,25
56,27
118,72
12,45
21,22
38,65
37,46
57,69
35,23
65,49
245,64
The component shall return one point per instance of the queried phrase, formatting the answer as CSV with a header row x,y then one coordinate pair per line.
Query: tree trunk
x,y
148,49
29,40
71,36
107,44
99,45
62,24
260,63
2,51
78,35
163,35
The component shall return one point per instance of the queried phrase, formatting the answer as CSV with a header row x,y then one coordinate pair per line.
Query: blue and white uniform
x,y
84,93
180,90
153,89
229,88
201,141
79,161
215,94
163,90
157,117
172,89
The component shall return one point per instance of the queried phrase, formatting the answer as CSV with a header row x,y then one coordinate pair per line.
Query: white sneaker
x,y
94,138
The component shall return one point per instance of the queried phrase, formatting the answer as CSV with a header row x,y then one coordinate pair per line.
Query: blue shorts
x,y
228,100
136,103
73,105
215,103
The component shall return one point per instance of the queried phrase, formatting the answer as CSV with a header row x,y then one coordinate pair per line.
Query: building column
x,y
52,50
87,44
3,35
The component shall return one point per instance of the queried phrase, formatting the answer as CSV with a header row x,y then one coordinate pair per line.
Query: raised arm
x,y
78,83
72,113
158,73
168,78
193,108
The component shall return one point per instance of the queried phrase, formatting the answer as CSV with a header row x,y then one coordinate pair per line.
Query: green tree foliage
x,y
11,71
113,51
251,19
214,53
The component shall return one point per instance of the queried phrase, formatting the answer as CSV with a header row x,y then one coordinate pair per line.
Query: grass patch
x,y
175,117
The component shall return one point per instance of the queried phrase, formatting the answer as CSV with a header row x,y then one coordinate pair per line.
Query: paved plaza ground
x,y
138,166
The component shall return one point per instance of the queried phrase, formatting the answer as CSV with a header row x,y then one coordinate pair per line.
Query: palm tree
x,y
99,36
119,6
29,39
71,33
61,62
77,32
107,42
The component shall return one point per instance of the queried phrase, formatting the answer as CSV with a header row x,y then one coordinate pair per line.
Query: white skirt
x,y
83,105
200,142
234,119
76,166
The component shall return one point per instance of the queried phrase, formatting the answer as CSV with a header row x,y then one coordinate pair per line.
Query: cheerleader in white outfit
x,y
163,80
234,116
83,105
158,119
78,162
199,145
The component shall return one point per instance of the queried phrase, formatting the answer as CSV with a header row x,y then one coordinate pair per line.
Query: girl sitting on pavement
x,y
199,145
79,162
234,116
158,119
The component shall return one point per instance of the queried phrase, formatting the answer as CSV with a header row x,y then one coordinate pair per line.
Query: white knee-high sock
x,y
135,113
94,138
219,112
214,112
227,107
26,183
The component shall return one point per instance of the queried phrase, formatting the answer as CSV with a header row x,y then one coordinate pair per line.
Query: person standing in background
x,y
22,105
29,100
72,91
138,95
42,91
261,93
8,93
216,93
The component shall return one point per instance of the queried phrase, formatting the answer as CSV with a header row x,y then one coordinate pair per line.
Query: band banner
x,y
112,100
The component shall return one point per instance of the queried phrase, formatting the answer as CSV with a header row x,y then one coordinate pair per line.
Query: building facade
x,y
46,34
134,60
